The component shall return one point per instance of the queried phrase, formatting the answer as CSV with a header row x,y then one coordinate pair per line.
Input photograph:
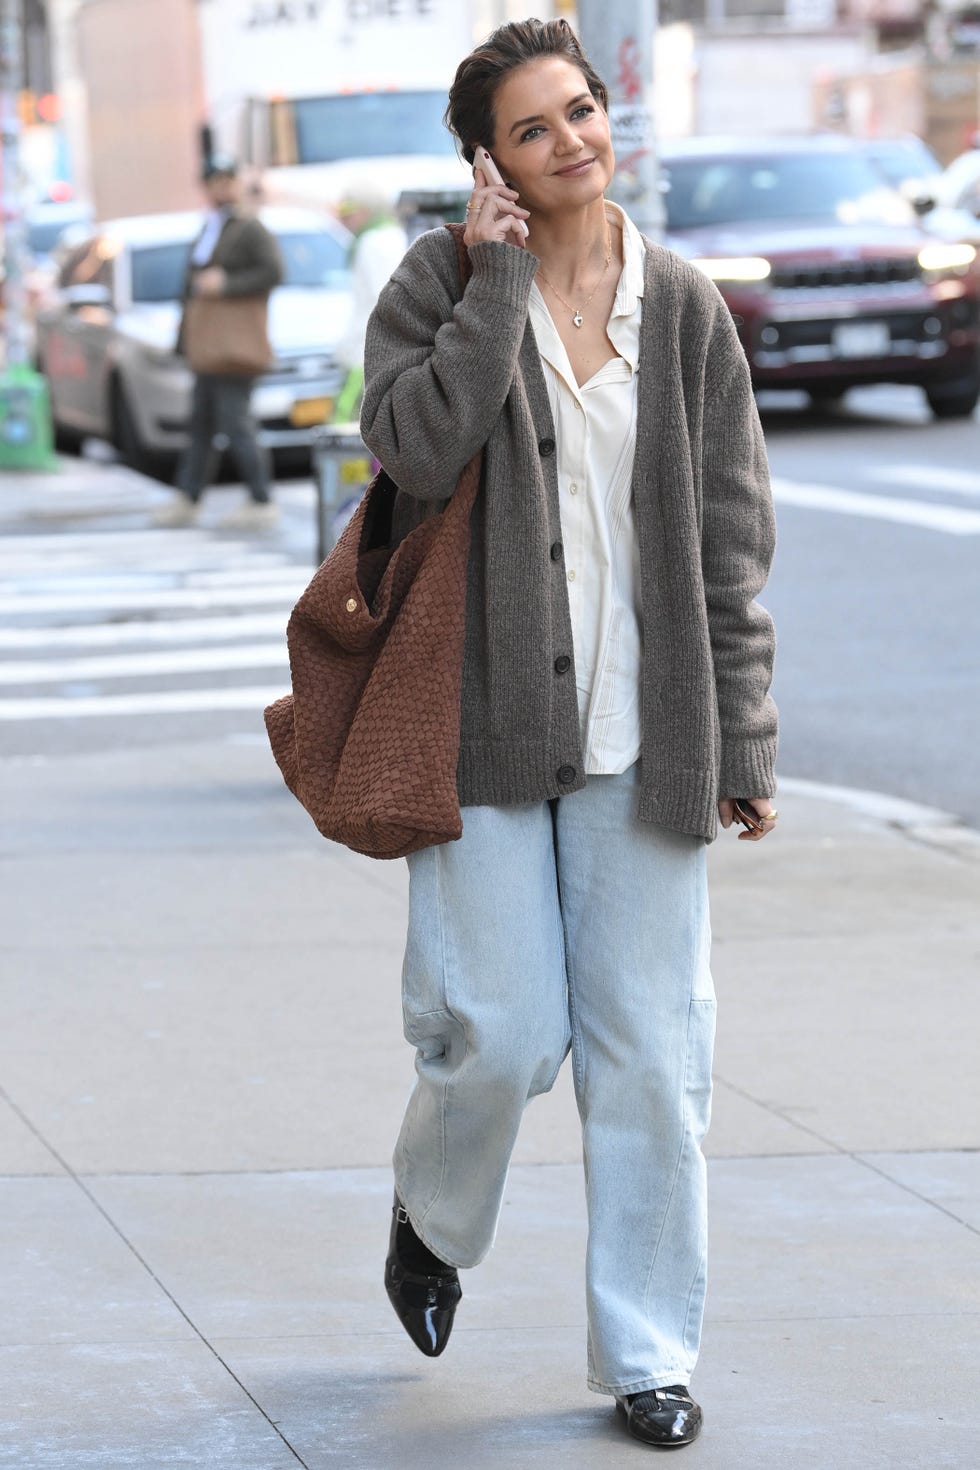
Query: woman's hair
x,y
470,114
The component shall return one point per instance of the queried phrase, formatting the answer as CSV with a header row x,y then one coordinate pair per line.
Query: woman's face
x,y
552,137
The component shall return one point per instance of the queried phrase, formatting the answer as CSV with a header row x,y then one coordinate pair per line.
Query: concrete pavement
x,y
203,1073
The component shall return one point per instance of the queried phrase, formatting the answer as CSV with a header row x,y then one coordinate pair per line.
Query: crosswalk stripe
x,y
145,630
145,665
162,702
952,519
201,598
928,477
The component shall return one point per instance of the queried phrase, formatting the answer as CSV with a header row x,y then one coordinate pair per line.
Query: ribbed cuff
x,y
502,271
748,768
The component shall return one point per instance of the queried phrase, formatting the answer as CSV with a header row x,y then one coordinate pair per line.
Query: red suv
x,y
830,279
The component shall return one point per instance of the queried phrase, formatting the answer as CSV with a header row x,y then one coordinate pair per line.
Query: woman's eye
x,y
585,108
529,134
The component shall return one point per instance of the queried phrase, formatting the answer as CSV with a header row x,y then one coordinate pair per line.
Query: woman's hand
x,y
492,213
761,806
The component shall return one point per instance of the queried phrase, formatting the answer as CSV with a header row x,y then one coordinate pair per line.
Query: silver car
x,y
106,343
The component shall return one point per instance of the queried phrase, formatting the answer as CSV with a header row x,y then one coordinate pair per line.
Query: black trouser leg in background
x,y
233,397
196,468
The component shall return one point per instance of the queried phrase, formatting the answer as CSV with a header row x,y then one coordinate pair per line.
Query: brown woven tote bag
x,y
368,741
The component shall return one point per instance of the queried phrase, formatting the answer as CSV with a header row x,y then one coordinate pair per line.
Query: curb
x,y
924,824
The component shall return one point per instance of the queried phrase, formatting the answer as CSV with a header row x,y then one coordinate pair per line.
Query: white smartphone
x,y
492,174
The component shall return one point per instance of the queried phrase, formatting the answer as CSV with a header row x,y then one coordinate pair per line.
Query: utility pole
x,y
25,415
618,40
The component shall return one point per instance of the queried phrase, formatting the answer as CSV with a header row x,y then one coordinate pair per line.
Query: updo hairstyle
x,y
470,114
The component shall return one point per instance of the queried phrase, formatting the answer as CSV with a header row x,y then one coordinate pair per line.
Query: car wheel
x,y
132,450
958,401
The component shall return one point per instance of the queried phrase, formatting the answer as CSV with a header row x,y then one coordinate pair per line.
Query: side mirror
x,y
923,204
90,295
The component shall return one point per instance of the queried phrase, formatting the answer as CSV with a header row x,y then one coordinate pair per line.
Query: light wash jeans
x,y
569,924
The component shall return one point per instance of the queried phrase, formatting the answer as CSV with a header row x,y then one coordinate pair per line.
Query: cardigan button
x,y
546,447
351,604
566,775
562,664
556,551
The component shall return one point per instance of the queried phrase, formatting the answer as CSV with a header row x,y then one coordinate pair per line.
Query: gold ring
x,y
768,816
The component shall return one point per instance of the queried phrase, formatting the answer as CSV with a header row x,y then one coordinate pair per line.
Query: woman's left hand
x,y
760,805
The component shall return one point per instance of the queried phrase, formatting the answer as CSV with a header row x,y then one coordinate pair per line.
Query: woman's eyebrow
x,y
539,117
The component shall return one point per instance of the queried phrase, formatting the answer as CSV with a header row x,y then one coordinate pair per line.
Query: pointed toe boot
x,y
665,1417
424,1303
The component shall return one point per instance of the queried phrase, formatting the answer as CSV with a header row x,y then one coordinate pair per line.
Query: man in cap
x,y
233,259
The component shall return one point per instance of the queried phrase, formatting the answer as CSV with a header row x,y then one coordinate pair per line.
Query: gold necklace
x,y
577,317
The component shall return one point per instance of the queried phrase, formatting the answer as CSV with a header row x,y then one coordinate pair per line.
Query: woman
x,y
614,704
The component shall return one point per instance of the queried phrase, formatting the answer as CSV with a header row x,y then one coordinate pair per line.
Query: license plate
x,y
308,411
355,471
862,339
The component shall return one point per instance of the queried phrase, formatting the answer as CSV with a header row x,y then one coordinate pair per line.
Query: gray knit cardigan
x,y
447,371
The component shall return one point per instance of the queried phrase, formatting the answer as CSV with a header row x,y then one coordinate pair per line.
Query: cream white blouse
x,y
595,427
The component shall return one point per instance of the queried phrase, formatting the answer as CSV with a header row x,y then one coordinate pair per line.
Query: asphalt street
x,y
114,634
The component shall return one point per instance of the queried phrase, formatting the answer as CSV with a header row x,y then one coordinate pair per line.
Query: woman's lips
x,y
574,169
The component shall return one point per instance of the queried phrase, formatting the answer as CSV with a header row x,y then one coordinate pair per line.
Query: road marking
x,y
108,600
146,665
949,518
164,702
929,477
150,630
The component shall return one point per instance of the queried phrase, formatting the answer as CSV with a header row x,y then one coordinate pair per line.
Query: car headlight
x,y
945,259
734,267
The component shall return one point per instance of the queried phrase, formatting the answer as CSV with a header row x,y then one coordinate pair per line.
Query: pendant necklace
x,y
577,317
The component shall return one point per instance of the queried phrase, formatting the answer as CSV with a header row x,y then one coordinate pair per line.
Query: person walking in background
x,y
379,244
614,705
234,261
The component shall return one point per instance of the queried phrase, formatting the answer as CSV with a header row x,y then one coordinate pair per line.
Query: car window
x,y
310,258
357,125
313,258
158,271
43,235
903,159
838,186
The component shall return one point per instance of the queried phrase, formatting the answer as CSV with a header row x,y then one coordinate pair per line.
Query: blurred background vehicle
x,y
831,278
915,171
106,344
49,224
333,100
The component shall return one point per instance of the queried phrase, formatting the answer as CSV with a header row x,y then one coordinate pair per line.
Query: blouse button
x,y
573,488
571,576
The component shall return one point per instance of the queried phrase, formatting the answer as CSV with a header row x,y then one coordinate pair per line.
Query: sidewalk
x,y
203,1075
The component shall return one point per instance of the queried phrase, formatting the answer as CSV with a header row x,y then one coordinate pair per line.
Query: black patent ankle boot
x,y
424,1302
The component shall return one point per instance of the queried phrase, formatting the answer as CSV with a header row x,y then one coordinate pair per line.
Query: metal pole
x,y
25,412
618,39
11,201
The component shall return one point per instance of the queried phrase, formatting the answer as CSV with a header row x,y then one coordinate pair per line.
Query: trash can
x,y
342,468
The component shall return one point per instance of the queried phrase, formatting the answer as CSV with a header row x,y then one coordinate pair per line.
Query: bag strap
x,y
468,483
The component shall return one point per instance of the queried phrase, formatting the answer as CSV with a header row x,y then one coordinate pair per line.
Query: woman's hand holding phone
x,y
493,213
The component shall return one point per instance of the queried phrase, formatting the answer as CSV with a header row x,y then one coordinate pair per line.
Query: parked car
x,y
830,276
915,171
958,186
49,227
106,345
